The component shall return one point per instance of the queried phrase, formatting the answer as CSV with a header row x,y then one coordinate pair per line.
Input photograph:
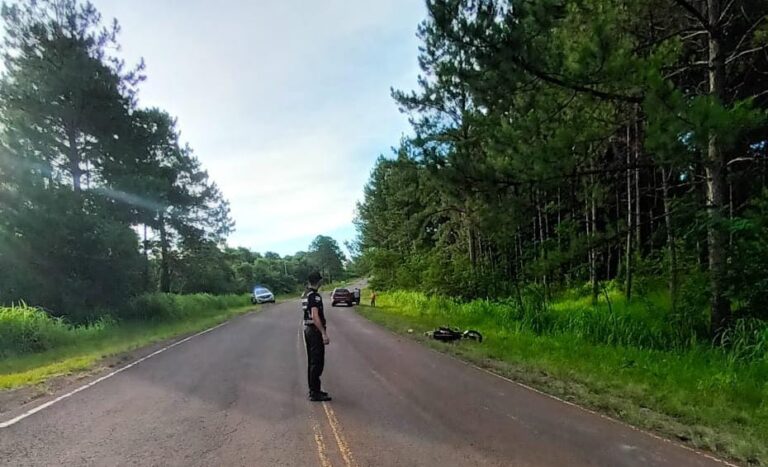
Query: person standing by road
x,y
356,295
316,338
373,298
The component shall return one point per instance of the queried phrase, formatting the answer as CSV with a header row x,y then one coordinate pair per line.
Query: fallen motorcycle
x,y
446,334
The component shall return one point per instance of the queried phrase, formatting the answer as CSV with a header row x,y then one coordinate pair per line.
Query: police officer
x,y
316,338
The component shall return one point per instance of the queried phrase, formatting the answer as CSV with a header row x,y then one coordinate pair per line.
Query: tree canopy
x,y
100,200
84,171
558,142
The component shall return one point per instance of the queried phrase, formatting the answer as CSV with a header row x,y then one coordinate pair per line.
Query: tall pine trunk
x,y
671,246
715,167
595,278
630,224
165,261
559,221
590,217
543,250
74,158
145,245
638,219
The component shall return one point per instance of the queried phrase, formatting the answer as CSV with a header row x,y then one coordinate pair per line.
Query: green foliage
x,y
325,254
612,321
169,307
281,275
25,330
202,267
690,321
747,340
82,169
563,142
749,273
56,254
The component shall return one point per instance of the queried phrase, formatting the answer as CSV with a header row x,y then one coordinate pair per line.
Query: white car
x,y
262,295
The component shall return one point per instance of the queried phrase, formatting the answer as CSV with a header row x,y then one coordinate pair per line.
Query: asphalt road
x,y
237,396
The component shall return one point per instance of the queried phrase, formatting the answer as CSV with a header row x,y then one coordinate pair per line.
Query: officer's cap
x,y
314,277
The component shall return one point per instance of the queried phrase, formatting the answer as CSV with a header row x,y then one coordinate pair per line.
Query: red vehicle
x,y
342,296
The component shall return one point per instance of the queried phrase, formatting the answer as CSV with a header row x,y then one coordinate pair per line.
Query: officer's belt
x,y
309,322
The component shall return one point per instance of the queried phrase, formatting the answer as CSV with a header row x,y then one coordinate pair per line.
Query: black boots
x,y
320,396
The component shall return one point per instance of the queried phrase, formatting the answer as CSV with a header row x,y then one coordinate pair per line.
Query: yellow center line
x,y
346,453
324,461
318,433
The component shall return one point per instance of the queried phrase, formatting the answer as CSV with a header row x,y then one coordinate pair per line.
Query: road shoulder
x,y
17,400
621,410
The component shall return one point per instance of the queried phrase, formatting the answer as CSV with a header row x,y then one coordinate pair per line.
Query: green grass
x,y
605,359
35,347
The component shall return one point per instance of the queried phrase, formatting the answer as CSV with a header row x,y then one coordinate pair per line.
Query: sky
x,y
286,102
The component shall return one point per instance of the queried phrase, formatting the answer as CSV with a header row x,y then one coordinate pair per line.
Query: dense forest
x,y
582,144
100,200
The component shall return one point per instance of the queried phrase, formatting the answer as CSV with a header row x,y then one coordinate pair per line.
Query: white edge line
x,y
34,410
537,391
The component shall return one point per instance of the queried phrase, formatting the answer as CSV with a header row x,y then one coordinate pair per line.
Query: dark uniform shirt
x,y
312,300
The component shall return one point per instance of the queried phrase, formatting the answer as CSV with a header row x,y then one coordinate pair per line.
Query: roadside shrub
x,y
156,306
748,271
746,340
25,329
612,321
169,307
690,321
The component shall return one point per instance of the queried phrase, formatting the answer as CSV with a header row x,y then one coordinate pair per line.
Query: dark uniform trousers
x,y
315,356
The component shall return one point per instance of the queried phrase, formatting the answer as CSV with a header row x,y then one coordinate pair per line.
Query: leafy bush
x,y
88,261
749,268
642,324
24,330
156,306
746,340
166,307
